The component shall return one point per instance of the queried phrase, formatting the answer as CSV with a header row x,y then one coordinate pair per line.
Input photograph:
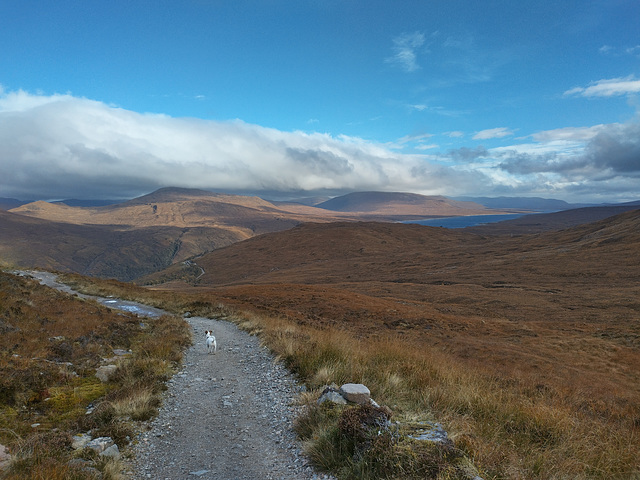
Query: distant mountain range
x,y
138,237
189,207
357,202
396,202
535,204
149,233
9,203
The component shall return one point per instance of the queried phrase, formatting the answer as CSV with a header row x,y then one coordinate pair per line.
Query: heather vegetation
x,y
50,347
507,423
525,348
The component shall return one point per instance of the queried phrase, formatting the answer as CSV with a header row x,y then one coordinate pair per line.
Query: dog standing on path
x,y
212,346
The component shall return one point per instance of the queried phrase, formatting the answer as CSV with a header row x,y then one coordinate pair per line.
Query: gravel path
x,y
225,416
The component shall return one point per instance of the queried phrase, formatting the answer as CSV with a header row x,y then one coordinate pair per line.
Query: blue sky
x,y
284,98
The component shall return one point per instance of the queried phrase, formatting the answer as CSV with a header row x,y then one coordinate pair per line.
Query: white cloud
x,y
414,138
20,100
500,132
633,50
455,134
60,146
416,141
405,47
619,51
607,88
605,49
574,134
612,152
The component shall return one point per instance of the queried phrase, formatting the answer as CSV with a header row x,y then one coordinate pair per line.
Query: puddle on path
x,y
50,279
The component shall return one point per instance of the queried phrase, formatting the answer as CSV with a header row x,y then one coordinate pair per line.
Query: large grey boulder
x,y
356,393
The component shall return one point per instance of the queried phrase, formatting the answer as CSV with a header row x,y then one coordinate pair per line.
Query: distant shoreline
x,y
465,221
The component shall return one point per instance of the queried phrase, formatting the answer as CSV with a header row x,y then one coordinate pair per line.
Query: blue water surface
x,y
466,221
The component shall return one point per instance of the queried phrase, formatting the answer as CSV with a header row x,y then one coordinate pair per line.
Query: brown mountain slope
x,y
401,203
544,222
170,207
247,216
406,253
101,250
560,307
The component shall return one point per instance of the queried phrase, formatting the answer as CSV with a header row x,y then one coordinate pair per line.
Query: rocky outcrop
x,y
104,446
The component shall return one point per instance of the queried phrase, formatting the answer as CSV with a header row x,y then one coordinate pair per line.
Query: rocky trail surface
x,y
225,416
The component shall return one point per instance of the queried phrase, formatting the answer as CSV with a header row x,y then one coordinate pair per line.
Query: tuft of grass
x,y
140,407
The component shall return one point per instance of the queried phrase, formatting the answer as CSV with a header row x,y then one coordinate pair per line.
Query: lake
x,y
466,221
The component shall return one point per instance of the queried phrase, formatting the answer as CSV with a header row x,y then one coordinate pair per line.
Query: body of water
x,y
466,221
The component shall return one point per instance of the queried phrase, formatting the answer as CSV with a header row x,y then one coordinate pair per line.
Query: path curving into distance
x,y
226,416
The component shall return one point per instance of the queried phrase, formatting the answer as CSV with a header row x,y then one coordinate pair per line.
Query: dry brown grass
x,y
507,420
50,347
527,349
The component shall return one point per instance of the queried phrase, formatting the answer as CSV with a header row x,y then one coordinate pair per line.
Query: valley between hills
x,y
147,234
562,307
545,309
494,294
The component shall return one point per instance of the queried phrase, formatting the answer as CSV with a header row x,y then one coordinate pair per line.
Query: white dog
x,y
212,346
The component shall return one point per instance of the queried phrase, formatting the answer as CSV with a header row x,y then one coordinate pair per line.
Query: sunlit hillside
x,y
148,234
526,347
558,309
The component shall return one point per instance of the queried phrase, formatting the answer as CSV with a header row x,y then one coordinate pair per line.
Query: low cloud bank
x,y
61,146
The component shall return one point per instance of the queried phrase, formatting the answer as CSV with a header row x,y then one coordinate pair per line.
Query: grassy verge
x,y
509,427
50,347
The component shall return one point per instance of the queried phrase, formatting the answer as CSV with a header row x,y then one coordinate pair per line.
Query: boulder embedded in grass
x,y
100,444
112,452
332,396
105,372
356,393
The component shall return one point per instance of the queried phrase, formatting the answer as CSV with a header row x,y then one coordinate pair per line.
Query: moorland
x,y
523,340
131,239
